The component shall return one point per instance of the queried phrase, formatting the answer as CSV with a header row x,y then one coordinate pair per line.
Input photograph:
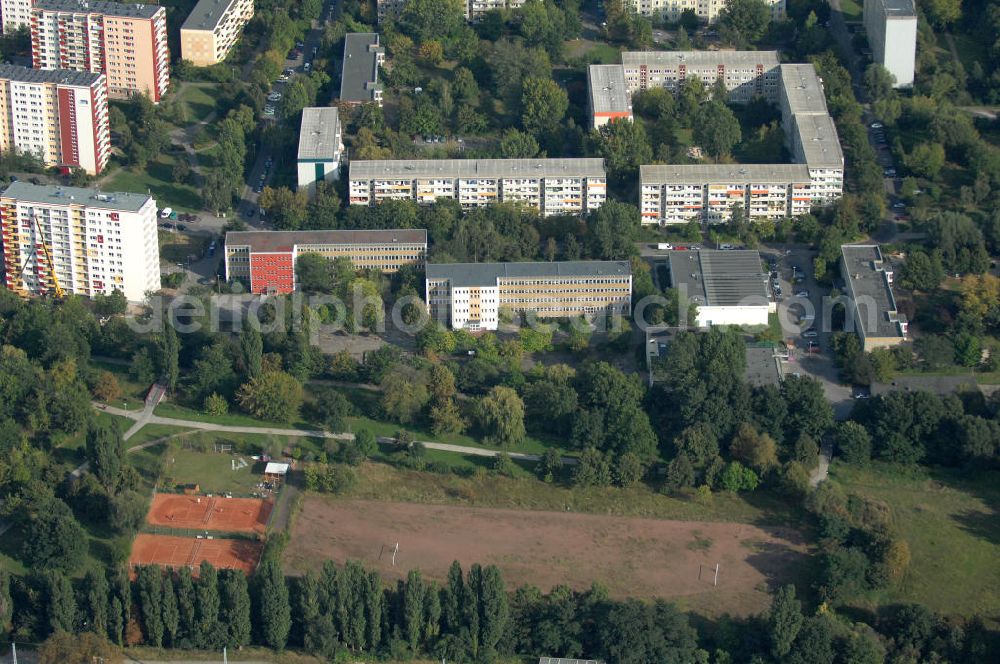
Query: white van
x,y
165,212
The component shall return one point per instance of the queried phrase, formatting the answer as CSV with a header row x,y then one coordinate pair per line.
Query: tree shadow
x,y
983,485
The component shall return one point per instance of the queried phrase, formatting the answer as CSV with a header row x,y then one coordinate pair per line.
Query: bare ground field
x,y
630,556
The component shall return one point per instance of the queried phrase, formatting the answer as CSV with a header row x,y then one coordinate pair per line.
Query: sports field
x,y
630,556
216,513
171,551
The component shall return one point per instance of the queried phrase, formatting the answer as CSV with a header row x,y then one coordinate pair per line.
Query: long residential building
x,y
891,26
551,186
871,307
708,192
96,242
15,14
265,260
473,9
212,29
320,146
708,10
363,56
471,295
59,116
125,42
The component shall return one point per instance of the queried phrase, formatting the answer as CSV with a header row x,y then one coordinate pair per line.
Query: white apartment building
x,y
892,33
707,10
320,146
474,9
471,295
125,42
15,14
551,186
59,116
707,192
97,242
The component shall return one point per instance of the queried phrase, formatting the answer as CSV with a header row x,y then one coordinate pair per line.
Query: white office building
x,y
320,147
892,34
86,241
551,186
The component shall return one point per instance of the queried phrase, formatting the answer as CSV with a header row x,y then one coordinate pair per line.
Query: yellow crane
x,y
57,289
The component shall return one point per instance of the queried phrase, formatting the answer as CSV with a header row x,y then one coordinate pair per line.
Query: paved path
x,y
306,433
822,471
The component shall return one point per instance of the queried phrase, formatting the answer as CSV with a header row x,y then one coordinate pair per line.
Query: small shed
x,y
275,472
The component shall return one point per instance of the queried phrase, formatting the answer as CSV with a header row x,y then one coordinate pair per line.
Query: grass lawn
x,y
176,247
851,10
950,520
195,102
167,409
133,393
213,471
969,49
153,432
381,482
157,178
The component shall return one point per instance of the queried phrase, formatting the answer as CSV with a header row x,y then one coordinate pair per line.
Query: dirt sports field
x,y
630,556
171,551
216,513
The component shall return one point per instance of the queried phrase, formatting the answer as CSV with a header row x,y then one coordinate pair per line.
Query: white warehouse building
x,y
726,287
892,34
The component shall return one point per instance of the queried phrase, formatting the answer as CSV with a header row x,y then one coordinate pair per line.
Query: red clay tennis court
x,y
171,551
218,513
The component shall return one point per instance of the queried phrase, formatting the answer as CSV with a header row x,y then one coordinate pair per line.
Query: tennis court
x,y
210,513
171,551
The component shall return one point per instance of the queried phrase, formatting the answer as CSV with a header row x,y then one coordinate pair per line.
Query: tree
x,y
413,608
922,272
404,394
215,404
171,614
592,469
106,454
879,81
446,417
757,450
716,128
736,477
942,12
285,209
543,105
66,648
273,612
106,388
366,442
6,601
426,20
784,621
743,22
501,416
60,602
149,596
812,413
516,144
274,395
55,540
854,444
614,227
187,602
926,159
235,605
170,348
624,146
315,273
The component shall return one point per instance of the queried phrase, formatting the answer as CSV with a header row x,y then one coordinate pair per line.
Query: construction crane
x,y
57,289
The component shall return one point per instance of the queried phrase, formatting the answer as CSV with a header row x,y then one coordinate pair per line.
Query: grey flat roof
x,y
898,8
762,366
818,136
701,58
475,168
563,660
99,7
724,174
63,76
318,134
802,89
283,241
486,274
608,93
207,14
868,287
360,71
719,278
47,194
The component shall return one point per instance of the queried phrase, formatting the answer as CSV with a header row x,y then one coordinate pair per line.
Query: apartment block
x,y
15,14
551,186
59,116
871,308
97,242
212,29
892,33
359,78
708,10
474,9
608,98
471,295
708,192
125,42
320,147
266,259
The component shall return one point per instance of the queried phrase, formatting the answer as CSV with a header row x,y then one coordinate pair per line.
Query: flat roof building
x,y
363,56
266,259
471,295
871,306
98,242
551,186
473,9
707,10
212,29
59,116
320,147
892,33
125,42
609,98
727,287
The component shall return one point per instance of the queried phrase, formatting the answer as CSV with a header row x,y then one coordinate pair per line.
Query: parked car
x,y
274,96
811,333
307,67
164,213
899,205
890,172
876,125
802,293
269,111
